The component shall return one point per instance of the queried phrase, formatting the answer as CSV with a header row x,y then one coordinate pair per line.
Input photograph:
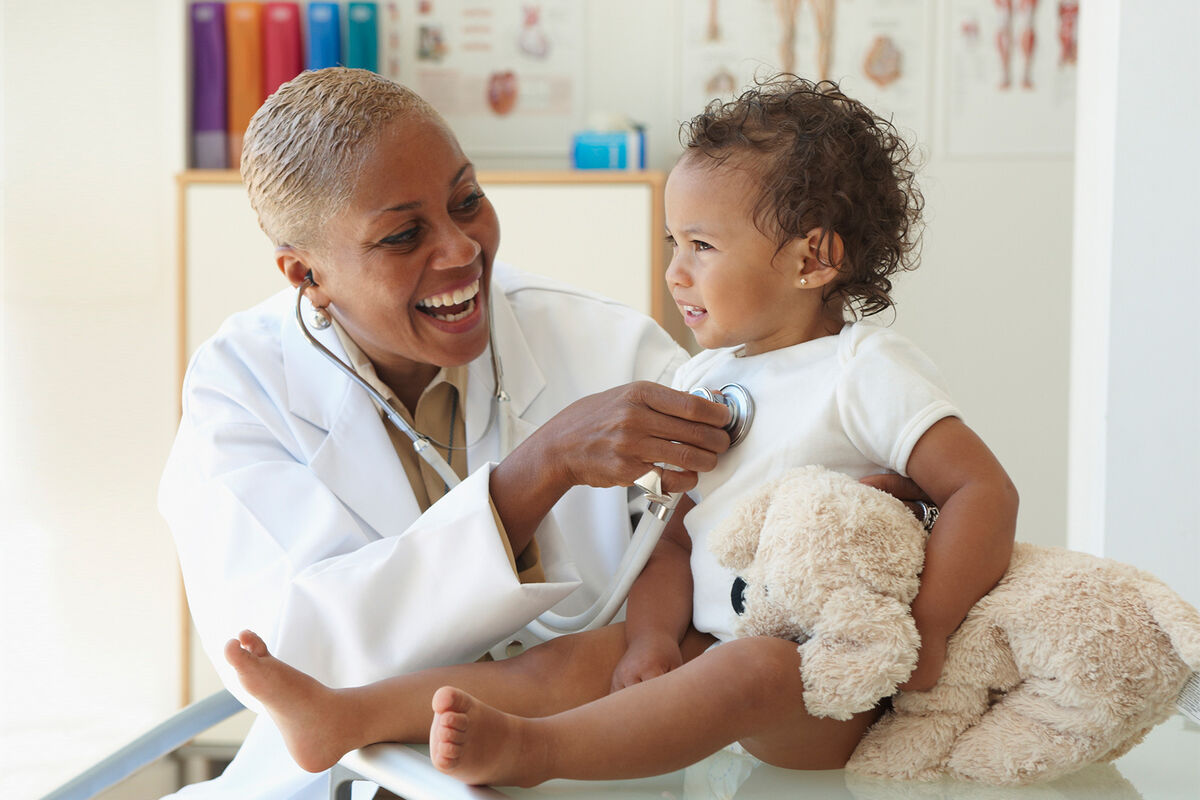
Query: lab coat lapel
x,y
354,457
522,378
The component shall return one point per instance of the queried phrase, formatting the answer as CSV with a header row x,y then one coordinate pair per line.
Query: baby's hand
x,y
930,660
647,657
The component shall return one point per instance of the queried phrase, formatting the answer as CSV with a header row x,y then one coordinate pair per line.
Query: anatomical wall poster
x,y
506,74
1010,77
878,50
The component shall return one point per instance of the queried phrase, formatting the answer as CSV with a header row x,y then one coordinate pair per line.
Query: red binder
x,y
243,34
282,57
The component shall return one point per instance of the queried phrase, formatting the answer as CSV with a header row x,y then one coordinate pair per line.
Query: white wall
x,y
92,137
1137,349
88,586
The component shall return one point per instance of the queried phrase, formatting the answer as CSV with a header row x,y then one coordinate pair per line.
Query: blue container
x,y
609,150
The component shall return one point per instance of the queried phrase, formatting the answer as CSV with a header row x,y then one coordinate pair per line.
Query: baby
x,y
788,213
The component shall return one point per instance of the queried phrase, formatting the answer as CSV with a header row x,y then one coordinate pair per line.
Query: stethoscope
x,y
649,530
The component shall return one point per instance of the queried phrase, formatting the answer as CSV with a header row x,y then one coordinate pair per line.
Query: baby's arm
x,y
660,607
970,546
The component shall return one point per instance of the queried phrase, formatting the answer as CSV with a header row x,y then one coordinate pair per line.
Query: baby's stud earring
x,y
804,281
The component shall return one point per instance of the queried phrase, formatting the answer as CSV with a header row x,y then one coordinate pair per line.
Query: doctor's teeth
x,y
455,317
460,295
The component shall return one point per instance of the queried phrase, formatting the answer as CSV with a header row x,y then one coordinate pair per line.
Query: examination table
x,y
1164,767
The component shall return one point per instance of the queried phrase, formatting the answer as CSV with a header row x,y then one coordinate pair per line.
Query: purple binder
x,y
209,129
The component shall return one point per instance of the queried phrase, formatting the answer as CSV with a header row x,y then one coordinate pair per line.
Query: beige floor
x,y
1164,767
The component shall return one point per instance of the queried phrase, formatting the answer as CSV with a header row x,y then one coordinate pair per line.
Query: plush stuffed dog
x,y
1070,659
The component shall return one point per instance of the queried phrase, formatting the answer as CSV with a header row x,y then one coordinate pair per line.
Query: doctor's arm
x,y
607,439
264,543
969,547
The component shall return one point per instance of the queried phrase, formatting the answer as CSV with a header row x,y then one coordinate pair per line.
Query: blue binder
x,y
324,36
362,36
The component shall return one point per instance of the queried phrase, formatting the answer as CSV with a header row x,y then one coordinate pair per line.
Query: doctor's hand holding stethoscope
x,y
612,438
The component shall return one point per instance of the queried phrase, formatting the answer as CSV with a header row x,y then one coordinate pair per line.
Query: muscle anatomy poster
x,y
878,50
1011,77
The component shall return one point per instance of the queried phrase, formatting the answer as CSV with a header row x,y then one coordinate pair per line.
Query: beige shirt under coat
x,y
439,416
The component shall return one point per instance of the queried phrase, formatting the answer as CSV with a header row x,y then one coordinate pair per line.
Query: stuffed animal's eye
x,y
738,596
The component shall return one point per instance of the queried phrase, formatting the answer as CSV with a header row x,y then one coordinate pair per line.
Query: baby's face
x,y
725,275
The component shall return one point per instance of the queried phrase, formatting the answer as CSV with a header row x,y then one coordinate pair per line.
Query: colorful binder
x,y
209,136
362,36
324,36
243,41
282,55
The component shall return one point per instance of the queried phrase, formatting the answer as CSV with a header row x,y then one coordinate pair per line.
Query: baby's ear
x,y
817,258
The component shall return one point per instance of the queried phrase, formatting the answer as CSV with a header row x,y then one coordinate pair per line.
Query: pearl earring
x,y
320,318
804,281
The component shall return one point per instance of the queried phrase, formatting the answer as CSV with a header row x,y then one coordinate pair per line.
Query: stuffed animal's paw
x,y
865,645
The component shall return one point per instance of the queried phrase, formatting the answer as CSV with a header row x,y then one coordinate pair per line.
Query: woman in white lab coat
x,y
292,508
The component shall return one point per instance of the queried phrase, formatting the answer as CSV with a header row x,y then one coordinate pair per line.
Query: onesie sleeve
x,y
889,394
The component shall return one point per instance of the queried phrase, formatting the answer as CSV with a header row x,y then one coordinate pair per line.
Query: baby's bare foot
x,y
306,711
479,744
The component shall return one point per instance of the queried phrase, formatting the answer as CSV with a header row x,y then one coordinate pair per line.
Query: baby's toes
x,y
237,656
254,643
445,744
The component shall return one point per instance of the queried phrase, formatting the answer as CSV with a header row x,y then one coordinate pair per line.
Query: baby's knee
x,y
543,658
762,662
573,653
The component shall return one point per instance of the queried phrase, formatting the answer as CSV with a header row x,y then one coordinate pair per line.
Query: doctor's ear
x,y
293,264
818,258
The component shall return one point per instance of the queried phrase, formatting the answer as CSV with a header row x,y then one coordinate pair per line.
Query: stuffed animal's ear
x,y
863,647
1177,618
735,540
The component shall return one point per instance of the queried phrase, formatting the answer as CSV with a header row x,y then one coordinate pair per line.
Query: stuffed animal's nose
x,y
738,596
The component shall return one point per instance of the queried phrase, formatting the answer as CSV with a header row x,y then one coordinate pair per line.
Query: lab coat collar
x,y
319,394
522,379
319,401
315,390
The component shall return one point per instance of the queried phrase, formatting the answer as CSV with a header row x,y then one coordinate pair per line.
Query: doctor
x,y
298,512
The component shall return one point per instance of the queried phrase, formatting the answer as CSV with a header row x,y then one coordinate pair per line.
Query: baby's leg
x,y
748,690
320,724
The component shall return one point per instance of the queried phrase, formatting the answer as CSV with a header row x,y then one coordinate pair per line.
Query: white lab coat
x,y
293,516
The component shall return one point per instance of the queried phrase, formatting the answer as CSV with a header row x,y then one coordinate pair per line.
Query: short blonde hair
x,y
306,145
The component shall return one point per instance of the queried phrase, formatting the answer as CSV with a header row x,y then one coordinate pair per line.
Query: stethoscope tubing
x,y
548,625
421,444
645,538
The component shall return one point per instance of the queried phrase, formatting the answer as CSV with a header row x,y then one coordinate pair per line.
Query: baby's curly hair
x,y
823,161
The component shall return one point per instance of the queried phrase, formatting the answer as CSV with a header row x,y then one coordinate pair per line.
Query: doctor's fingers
x,y
665,414
897,486
680,405
675,481
681,455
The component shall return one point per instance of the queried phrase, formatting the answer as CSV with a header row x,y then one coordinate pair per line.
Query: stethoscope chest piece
x,y
741,408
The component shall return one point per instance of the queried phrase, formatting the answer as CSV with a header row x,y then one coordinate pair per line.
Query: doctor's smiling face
x,y
405,265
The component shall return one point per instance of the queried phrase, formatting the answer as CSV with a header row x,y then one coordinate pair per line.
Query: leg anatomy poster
x,y
506,74
1011,77
877,50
